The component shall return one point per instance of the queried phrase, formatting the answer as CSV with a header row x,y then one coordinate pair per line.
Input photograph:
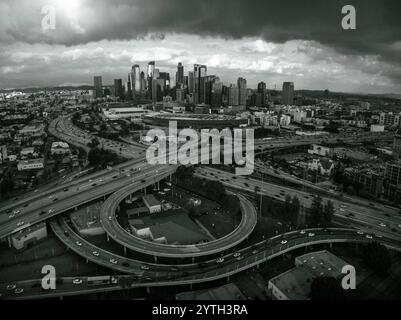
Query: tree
x,y
287,207
377,257
328,213
326,288
316,211
6,186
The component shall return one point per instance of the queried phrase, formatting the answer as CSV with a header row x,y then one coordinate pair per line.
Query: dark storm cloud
x,y
378,21
83,22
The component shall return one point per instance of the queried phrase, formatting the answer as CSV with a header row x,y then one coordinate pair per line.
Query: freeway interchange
x,y
117,183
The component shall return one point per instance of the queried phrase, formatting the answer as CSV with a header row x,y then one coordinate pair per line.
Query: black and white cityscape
x,y
200,150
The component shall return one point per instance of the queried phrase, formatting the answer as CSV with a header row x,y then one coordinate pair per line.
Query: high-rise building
x,y
199,73
157,89
191,81
262,90
166,77
241,82
233,95
135,80
143,82
128,91
216,93
118,88
97,83
151,69
288,93
179,78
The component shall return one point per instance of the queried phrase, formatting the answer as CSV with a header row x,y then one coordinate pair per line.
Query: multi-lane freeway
x,y
162,275
378,218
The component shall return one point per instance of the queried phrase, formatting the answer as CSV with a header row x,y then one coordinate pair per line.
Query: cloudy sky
x,y
262,40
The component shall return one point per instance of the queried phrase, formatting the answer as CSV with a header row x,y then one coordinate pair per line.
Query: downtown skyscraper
x,y
98,86
135,80
288,93
179,77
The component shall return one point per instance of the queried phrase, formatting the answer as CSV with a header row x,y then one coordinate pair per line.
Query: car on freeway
x,y
51,210
19,291
237,254
95,253
378,236
359,232
26,204
368,236
144,267
110,218
113,261
16,211
11,216
283,241
255,251
174,269
302,232
55,199
20,223
381,224
220,260
78,243
77,281
65,189
11,287
239,258
311,234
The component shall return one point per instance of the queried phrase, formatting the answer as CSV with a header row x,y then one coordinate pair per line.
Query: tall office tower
x,y
241,82
191,81
233,95
262,90
288,93
97,83
224,95
179,78
151,69
166,77
143,82
118,88
206,84
128,91
135,80
186,81
157,89
216,93
199,72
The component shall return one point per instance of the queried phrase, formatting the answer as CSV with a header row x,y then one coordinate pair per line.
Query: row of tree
x,y
321,214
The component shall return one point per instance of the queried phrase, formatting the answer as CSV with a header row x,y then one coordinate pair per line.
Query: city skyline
x,y
365,60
